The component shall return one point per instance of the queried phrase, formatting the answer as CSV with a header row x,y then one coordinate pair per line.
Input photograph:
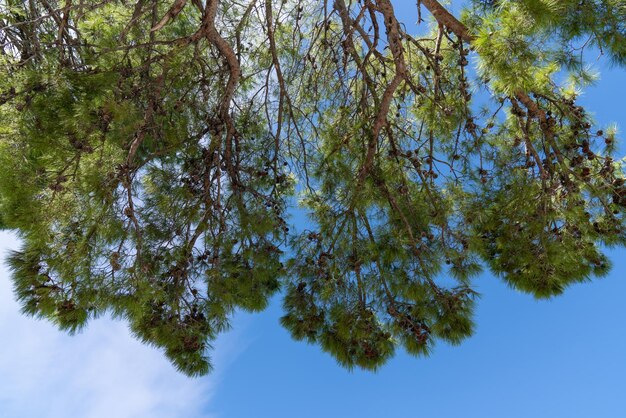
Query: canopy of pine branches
x,y
152,152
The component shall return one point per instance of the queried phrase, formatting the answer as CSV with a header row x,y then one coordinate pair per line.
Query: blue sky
x,y
560,358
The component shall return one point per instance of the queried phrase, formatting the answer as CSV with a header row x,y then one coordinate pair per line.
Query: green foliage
x,y
149,167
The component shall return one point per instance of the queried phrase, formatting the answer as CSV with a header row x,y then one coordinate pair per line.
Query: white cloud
x,y
102,372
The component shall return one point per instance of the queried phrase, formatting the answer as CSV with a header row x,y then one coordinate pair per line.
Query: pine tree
x,y
151,153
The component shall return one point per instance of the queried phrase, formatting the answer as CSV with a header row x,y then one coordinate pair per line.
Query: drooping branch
x,y
176,8
444,17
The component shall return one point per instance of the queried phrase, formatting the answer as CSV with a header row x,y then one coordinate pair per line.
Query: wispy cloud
x,y
101,373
